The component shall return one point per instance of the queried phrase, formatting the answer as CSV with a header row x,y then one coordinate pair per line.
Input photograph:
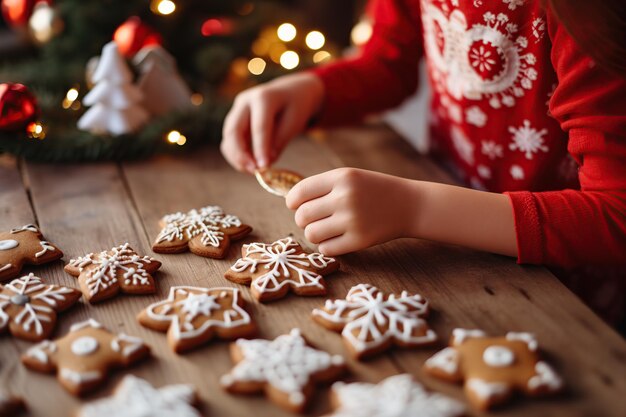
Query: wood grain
x,y
85,208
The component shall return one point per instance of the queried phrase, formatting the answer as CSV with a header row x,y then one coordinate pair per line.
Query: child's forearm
x,y
475,219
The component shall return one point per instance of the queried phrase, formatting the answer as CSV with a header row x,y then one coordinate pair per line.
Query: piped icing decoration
x,y
28,307
24,245
396,396
370,320
205,232
494,367
103,275
193,315
136,397
83,357
286,365
273,269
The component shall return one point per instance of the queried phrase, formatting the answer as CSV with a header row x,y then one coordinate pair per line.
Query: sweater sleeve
x,y
572,228
383,73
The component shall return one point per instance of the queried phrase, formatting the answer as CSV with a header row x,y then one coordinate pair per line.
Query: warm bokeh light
x,y
256,66
173,136
361,33
276,51
69,102
215,26
36,130
321,56
72,94
286,32
163,7
197,99
181,140
289,60
315,40
260,47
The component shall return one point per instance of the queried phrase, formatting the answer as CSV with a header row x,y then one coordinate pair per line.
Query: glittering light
x,y
289,60
276,51
256,66
321,56
36,130
286,32
315,40
181,140
72,94
174,136
361,32
69,102
163,7
214,26
197,99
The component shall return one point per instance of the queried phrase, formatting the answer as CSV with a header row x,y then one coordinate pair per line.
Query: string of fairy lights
x,y
284,45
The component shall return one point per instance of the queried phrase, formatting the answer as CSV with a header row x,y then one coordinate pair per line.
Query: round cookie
x,y
24,245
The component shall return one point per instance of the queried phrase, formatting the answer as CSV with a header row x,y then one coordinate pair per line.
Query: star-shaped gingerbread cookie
x,y
396,396
24,245
273,269
371,321
494,367
204,232
285,368
84,356
103,275
28,307
192,316
136,397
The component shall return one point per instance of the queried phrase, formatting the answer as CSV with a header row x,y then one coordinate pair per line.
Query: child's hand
x,y
348,209
264,118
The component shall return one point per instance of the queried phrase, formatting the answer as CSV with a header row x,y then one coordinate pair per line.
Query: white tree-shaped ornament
x,y
115,102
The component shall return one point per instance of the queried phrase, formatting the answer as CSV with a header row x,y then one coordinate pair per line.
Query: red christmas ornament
x,y
133,34
17,12
18,107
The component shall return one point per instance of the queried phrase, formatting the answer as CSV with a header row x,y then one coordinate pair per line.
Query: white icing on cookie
x,y
84,346
89,323
545,378
446,360
372,319
461,335
198,302
279,259
78,377
45,247
527,338
131,344
28,227
498,356
41,351
286,363
135,397
486,390
8,244
5,267
395,396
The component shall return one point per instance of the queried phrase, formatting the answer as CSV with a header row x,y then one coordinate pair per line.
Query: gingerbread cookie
x,y
84,356
103,275
273,269
192,316
277,181
285,368
23,245
494,367
28,307
370,321
136,397
398,395
10,405
205,232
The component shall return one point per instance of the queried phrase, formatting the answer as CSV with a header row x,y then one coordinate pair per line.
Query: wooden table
x,y
91,207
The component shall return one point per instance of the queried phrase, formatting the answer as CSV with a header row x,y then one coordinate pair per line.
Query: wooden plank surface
x,y
87,208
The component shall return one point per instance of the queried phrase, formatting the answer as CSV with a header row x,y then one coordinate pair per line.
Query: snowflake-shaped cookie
x,y
23,245
102,275
285,368
494,367
371,321
29,308
192,316
205,232
396,396
272,269
83,357
136,397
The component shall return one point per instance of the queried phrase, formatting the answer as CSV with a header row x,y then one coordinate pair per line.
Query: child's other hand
x,y
348,209
265,118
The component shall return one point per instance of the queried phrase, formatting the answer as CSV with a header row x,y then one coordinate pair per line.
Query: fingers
x,y
235,144
310,188
288,127
323,230
339,245
314,210
262,125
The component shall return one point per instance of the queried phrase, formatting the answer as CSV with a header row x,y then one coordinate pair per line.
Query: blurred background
x,y
192,56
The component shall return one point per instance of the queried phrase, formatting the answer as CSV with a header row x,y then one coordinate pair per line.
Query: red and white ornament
x,y
18,107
